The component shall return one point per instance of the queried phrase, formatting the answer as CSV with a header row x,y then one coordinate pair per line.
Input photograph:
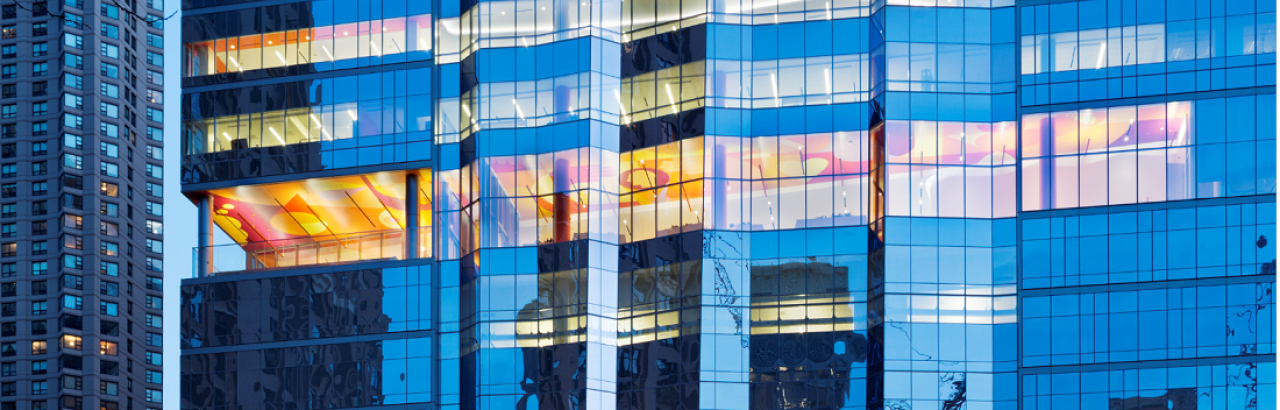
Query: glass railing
x,y
319,250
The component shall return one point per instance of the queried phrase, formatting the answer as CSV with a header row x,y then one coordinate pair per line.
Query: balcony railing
x,y
318,250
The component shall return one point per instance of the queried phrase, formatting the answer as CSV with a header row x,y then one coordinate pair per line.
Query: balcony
x,y
316,221
292,253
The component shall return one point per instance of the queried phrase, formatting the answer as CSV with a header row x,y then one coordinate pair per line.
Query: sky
x,y
179,233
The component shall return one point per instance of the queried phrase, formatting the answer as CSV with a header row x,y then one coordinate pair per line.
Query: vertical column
x,y
943,270
411,210
204,238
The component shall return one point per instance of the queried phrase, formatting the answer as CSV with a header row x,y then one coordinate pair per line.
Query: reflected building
x,y
612,204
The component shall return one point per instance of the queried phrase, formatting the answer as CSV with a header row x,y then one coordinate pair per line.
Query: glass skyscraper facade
x,y
730,204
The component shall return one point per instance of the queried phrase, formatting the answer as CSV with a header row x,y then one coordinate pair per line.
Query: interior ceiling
x,y
337,206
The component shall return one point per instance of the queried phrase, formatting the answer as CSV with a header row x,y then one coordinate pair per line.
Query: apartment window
x,y
154,396
155,321
73,101
155,190
110,368
40,128
39,208
39,227
40,49
9,170
109,50
40,29
73,383
155,283
107,348
73,81
8,349
9,71
8,249
39,347
109,70
72,221
73,261
8,389
39,308
9,210
39,148
8,369
109,30
40,109
73,20
9,12
72,302
9,31
9,309
40,69
155,208
73,121
8,329
39,188
39,388
109,308
155,77
109,268
155,264
39,247
9,131
9,190
155,97
72,40
155,302
107,129
109,11
109,149
8,289
109,110
9,111
9,230
109,90
155,134
9,91
40,89
9,51
72,282
110,189
39,268
40,367
155,153
108,248
155,245
39,168
155,115
73,61
108,169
